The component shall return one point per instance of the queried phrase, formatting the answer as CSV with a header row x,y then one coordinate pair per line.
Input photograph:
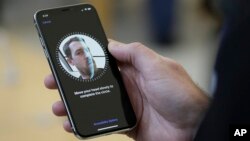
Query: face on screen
x,y
88,77
82,57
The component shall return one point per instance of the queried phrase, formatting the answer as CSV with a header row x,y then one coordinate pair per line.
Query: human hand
x,y
167,103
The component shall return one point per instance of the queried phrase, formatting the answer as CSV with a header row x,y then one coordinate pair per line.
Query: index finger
x,y
50,82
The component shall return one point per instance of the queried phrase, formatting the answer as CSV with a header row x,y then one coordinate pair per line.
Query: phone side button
x,y
46,53
41,40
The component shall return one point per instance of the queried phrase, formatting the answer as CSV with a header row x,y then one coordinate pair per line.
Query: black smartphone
x,y
87,76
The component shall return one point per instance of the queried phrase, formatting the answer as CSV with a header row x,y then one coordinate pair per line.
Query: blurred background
x,y
185,30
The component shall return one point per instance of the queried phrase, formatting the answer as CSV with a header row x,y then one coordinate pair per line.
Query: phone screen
x,y
87,75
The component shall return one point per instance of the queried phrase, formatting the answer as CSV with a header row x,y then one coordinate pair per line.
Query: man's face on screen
x,y
81,57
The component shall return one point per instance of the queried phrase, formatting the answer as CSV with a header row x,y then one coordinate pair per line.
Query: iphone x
x,y
87,76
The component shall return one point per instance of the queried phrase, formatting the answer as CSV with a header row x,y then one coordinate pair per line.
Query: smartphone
x,y
88,78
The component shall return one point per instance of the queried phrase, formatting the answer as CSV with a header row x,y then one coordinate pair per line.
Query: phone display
x,y
87,75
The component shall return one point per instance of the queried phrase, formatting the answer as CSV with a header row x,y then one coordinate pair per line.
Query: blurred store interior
x,y
25,104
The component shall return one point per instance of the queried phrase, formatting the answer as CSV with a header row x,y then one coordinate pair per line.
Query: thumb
x,y
134,53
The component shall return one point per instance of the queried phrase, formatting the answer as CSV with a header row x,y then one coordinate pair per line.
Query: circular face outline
x,y
68,73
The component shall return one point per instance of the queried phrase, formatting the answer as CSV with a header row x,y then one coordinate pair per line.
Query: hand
x,y
167,103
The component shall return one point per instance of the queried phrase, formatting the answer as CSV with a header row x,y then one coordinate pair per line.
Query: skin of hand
x,y
167,103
